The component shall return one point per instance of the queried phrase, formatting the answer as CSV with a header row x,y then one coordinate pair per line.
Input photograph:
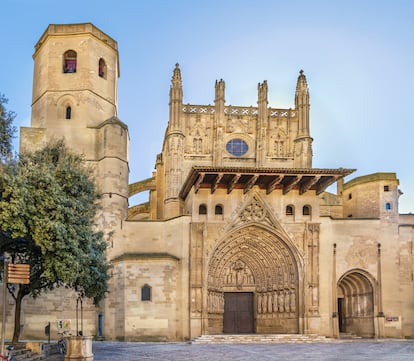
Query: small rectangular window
x,y
386,188
350,196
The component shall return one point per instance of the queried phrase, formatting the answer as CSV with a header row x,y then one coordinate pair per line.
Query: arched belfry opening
x,y
253,284
356,304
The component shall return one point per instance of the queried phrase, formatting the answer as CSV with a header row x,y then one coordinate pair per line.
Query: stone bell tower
x,y
76,71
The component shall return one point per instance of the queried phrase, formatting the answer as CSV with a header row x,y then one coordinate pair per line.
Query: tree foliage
x,y
7,129
48,203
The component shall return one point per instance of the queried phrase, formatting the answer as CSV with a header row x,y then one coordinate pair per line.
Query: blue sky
x,y
357,56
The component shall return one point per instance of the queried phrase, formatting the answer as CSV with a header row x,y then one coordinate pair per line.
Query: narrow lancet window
x,y
68,112
102,68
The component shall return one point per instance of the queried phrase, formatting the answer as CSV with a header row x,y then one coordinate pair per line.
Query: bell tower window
x,y
69,61
102,68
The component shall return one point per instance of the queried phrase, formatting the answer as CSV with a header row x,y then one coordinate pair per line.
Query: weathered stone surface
x,y
234,206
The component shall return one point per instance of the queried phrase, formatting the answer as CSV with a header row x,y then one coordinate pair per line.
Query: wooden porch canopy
x,y
287,179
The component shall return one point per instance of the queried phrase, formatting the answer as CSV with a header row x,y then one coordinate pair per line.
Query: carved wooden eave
x,y
286,179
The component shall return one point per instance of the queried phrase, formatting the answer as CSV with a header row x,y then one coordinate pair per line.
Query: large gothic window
x,y
69,61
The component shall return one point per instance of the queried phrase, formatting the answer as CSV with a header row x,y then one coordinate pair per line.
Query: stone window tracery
x,y
197,145
254,212
280,142
237,147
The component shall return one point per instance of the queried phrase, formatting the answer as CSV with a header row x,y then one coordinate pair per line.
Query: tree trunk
x,y
17,310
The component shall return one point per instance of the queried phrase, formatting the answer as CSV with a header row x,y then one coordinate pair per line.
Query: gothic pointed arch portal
x,y
356,304
258,266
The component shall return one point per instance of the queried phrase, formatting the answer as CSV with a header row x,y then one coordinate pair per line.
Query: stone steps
x,y
24,354
260,338
348,336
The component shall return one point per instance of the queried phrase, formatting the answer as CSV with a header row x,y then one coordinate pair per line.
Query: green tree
x,y
48,204
7,130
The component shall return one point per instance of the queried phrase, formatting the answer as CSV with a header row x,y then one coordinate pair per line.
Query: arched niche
x,y
356,300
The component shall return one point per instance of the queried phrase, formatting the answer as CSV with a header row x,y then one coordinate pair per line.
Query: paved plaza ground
x,y
372,350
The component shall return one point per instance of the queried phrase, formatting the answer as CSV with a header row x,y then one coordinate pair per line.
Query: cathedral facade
x,y
239,234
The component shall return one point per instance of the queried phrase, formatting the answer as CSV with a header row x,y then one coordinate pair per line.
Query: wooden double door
x,y
238,312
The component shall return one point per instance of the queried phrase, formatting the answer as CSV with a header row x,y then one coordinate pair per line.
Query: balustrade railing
x,y
237,110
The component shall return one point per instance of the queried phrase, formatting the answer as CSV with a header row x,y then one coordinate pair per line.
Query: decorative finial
x,y
301,80
176,78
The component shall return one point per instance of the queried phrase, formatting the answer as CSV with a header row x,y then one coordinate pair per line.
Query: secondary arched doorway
x,y
253,284
356,304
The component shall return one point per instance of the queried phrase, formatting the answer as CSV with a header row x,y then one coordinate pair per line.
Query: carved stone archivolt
x,y
255,259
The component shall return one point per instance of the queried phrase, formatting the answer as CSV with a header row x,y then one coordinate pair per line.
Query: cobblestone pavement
x,y
372,350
